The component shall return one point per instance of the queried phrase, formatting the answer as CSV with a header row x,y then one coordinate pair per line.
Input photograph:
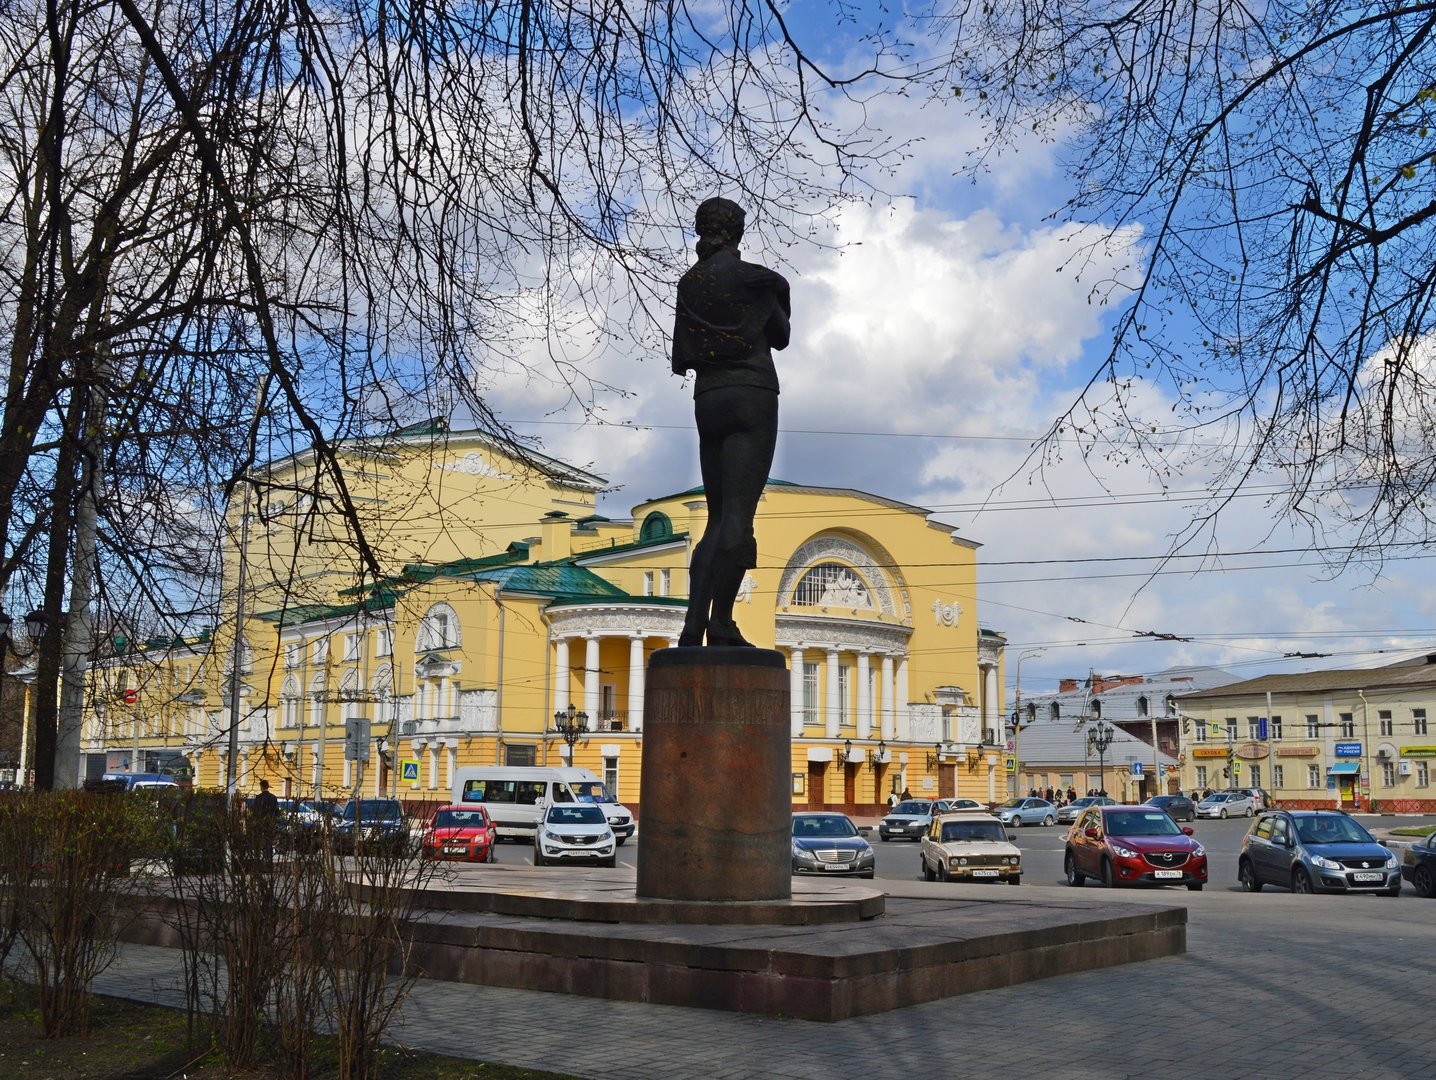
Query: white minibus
x,y
515,796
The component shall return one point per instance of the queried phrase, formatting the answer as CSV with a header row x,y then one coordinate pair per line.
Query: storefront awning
x,y
1344,768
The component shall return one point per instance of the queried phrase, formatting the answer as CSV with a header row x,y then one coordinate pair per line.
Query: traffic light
x,y
356,738
1226,771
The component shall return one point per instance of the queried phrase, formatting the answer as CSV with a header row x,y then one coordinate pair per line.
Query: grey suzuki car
x,y
1315,851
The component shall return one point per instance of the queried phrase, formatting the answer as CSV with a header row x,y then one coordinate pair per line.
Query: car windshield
x,y
574,814
823,826
459,819
1223,797
1332,830
1012,804
973,830
591,791
912,808
1141,823
371,809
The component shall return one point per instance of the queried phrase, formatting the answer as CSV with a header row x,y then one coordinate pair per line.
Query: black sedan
x,y
829,843
1418,865
1178,807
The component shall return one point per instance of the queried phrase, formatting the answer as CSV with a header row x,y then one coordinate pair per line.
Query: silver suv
x,y
1315,851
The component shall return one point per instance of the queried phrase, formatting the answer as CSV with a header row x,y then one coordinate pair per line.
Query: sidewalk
x,y
1272,986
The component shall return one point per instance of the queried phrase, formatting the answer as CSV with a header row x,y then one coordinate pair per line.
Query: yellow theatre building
x,y
502,598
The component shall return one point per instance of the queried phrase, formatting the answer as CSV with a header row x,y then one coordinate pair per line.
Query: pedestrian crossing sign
x,y
409,771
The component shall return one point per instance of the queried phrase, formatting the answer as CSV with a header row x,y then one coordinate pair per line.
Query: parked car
x,y
1315,851
574,832
958,806
372,825
907,820
1179,807
1223,804
969,847
1029,811
1133,845
829,843
464,832
1260,797
1070,811
1418,865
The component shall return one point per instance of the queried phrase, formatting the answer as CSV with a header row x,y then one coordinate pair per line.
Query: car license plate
x,y
837,866
1166,873
456,851
1368,877
984,873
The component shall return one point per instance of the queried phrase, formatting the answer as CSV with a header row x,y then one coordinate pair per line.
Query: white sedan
x,y
1226,804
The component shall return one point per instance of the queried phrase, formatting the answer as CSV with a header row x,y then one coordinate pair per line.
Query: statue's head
x,y
719,224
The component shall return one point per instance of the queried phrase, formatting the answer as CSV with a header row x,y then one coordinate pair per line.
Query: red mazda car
x,y
459,832
1133,845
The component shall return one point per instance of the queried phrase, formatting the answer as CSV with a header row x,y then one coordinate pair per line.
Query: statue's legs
x,y
737,434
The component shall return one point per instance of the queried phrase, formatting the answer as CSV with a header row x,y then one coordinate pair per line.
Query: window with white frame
x,y
319,650
1201,733
1274,729
1313,776
293,654
1201,776
1418,721
1253,727
1347,723
1278,776
384,641
439,629
610,775
810,694
1255,774
1388,774
1231,725
352,644
1384,723
665,582
1423,774
1313,726
648,583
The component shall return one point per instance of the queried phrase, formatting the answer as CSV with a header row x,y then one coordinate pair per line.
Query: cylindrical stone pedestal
x,y
716,812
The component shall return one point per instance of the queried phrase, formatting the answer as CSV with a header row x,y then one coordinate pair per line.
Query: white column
x,y
865,697
560,675
831,713
886,687
635,683
989,705
451,761
904,728
590,679
795,689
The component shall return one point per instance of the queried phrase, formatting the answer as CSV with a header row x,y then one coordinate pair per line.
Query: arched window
x,y
1054,711
289,703
656,526
1096,709
832,584
439,629
1142,706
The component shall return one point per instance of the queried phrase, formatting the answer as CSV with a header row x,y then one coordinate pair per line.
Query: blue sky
x,y
938,336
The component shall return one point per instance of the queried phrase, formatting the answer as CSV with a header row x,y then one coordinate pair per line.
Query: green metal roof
x,y
551,579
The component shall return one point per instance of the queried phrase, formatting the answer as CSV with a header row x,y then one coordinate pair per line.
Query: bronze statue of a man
x,y
730,317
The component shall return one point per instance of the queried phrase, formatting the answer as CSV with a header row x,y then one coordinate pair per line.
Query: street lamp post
x,y
1017,716
1100,737
571,725
36,623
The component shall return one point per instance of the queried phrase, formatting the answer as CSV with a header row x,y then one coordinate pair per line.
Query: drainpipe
x,y
499,680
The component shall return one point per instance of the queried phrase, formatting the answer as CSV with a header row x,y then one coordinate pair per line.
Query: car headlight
x,y
1126,853
961,862
1013,860
804,854
1201,851
553,836
1325,863
1390,861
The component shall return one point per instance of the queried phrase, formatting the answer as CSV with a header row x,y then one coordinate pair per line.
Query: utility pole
x,y
1017,717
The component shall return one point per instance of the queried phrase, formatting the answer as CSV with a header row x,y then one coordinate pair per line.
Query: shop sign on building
x,y
1347,749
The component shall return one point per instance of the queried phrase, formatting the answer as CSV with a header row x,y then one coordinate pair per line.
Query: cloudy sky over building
x,y
936,336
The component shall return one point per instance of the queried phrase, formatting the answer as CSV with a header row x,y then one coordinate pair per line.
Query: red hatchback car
x,y
459,832
1133,845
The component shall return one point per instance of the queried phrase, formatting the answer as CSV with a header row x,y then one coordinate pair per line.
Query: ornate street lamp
x,y
934,757
845,755
571,725
1099,738
35,625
